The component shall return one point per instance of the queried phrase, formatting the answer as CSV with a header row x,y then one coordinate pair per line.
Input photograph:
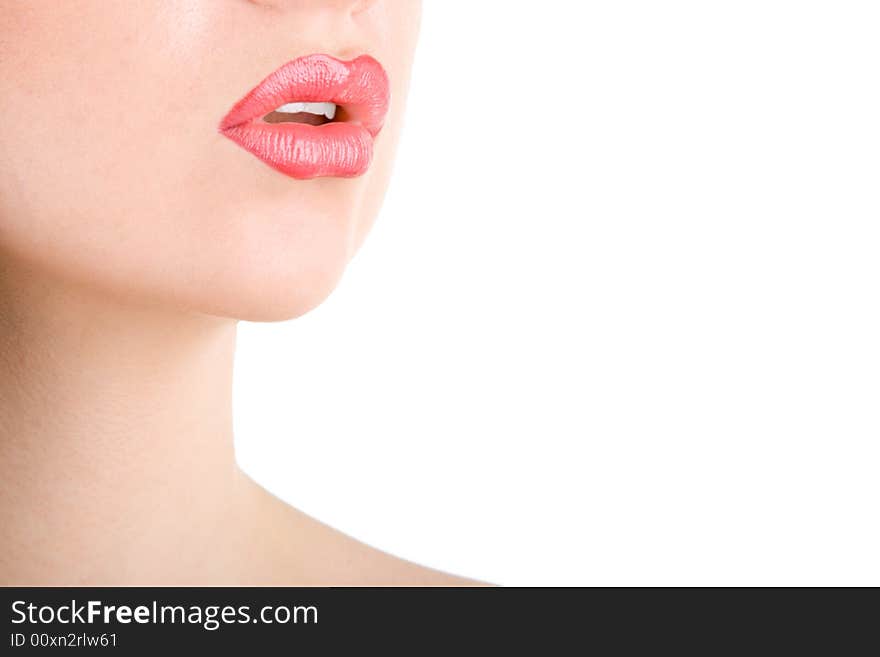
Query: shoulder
x,y
296,549
349,562
388,570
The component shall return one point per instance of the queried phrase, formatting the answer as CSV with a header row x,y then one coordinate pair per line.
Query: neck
x,y
115,433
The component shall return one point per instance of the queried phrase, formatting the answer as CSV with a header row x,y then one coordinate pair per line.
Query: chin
x,y
266,264
275,302
263,294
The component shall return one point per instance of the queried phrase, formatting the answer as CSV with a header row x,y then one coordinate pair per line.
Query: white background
x,y
617,323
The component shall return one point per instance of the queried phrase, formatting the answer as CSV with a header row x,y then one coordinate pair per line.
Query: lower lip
x,y
307,151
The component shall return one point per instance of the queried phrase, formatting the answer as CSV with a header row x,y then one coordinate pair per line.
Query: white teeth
x,y
321,109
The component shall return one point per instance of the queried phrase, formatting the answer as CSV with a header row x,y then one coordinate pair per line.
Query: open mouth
x,y
308,113
315,116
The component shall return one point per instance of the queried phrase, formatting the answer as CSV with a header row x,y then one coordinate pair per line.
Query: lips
x,y
277,121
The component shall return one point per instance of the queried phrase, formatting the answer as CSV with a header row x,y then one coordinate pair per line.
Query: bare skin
x,y
117,461
133,238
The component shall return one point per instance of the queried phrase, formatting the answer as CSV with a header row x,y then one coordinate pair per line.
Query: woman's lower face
x,y
136,157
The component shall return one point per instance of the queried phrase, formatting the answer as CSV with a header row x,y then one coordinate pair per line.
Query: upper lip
x,y
359,87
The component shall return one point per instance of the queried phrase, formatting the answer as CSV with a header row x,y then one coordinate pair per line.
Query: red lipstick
x,y
355,93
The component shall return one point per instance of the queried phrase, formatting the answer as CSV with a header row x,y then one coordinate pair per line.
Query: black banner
x,y
326,621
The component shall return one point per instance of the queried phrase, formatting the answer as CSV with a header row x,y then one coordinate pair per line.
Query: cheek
x,y
91,134
94,92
